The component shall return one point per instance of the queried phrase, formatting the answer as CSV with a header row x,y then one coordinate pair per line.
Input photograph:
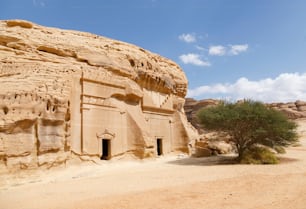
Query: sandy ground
x,y
167,182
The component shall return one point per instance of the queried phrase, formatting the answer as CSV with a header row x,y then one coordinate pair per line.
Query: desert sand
x,y
167,182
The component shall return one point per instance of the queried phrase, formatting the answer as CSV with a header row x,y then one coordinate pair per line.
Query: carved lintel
x,y
106,134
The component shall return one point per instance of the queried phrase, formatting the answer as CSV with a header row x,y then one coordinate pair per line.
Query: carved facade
x,y
112,115
60,97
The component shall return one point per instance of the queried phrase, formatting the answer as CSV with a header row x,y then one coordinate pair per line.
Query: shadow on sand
x,y
206,161
220,160
285,160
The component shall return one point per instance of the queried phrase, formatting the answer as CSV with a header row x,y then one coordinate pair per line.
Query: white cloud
x,y
284,88
200,48
188,38
220,50
193,59
237,49
217,50
39,3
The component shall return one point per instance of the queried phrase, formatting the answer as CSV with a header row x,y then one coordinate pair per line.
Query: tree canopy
x,y
248,124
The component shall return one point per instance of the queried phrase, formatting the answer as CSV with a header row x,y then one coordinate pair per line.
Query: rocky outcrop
x,y
293,110
68,93
192,107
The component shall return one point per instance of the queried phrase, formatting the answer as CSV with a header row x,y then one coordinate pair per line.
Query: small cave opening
x,y
132,62
5,110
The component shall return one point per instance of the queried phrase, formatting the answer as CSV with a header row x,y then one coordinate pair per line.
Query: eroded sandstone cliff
x,y
66,93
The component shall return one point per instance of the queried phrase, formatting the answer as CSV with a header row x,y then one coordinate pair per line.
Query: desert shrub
x,y
280,150
259,155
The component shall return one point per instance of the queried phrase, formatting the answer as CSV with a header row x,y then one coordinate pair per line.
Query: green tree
x,y
249,124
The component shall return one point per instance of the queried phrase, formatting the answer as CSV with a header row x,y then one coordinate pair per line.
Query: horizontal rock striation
x,y
293,110
66,93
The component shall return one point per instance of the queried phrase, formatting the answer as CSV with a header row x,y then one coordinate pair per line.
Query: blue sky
x,y
229,49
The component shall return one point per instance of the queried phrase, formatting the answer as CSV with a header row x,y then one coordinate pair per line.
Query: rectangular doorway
x,y
159,146
105,149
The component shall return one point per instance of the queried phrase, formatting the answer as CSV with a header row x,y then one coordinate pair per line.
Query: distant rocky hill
x,y
294,110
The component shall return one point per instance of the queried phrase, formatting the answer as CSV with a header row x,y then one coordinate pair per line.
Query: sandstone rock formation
x,y
192,106
294,110
67,93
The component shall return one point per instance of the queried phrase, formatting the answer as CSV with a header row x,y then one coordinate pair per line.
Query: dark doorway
x,y
105,149
159,147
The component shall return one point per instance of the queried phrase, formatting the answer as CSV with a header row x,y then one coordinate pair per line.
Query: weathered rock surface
x,y
192,106
65,93
294,110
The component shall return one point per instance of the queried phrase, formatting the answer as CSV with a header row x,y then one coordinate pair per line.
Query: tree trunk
x,y
240,153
